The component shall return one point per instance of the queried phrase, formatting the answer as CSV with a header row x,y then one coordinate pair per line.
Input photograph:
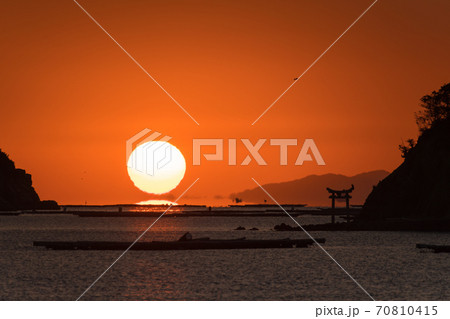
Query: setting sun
x,y
156,167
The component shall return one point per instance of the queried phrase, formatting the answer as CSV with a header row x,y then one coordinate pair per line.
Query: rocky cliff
x,y
16,190
420,187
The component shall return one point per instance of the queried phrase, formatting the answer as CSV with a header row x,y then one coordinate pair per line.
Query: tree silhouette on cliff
x,y
417,192
435,110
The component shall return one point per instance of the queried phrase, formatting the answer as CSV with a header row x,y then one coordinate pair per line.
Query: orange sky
x,y
70,98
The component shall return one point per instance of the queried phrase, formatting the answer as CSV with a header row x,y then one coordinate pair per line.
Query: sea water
x,y
386,264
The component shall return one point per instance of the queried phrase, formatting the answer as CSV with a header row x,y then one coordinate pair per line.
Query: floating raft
x,y
194,244
435,248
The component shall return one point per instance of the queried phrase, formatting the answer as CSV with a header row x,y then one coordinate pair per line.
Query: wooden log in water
x,y
435,248
178,245
9,213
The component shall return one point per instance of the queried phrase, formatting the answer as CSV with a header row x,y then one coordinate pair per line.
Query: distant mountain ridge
x,y
311,189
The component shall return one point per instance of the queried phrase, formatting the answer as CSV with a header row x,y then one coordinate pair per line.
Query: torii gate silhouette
x,y
340,194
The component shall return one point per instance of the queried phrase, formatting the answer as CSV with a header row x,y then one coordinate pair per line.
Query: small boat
x,y
185,243
435,248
